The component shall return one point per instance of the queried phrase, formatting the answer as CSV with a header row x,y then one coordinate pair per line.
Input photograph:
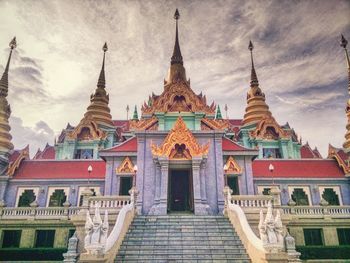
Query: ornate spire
x,y
5,110
257,108
98,108
253,77
4,79
177,71
346,144
177,57
218,113
101,83
135,116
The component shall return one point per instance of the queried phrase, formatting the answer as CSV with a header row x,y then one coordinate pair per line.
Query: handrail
x,y
256,201
316,210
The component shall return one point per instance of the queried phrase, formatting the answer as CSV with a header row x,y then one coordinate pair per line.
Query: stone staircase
x,y
182,238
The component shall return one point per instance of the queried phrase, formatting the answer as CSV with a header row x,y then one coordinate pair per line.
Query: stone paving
x,y
182,238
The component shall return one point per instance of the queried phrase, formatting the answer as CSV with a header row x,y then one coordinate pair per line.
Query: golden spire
x,y
176,71
5,110
346,144
98,108
257,108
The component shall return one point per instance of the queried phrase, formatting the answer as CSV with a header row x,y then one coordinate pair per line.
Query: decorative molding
x,y
144,124
262,130
126,166
232,166
180,144
214,124
94,133
13,166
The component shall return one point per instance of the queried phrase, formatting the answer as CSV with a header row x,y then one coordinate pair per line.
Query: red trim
x,y
127,146
323,168
44,169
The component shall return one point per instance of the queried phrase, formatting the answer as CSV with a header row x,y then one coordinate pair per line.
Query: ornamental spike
x,y
101,83
253,78
4,79
176,57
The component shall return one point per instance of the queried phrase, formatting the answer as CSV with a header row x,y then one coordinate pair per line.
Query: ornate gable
x,y
144,124
14,164
342,158
180,144
87,129
126,166
177,96
214,124
269,129
232,167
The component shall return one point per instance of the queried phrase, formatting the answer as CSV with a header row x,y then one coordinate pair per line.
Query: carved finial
x,y
253,78
13,43
343,42
4,79
177,57
101,83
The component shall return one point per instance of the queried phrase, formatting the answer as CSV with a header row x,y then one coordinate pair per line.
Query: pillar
x,y
164,177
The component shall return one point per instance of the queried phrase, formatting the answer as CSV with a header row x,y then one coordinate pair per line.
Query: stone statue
x,y
96,232
293,255
71,255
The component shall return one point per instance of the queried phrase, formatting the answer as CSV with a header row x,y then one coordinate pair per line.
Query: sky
x,y
299,62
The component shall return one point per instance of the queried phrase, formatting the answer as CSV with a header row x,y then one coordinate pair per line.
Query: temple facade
x,y
179,154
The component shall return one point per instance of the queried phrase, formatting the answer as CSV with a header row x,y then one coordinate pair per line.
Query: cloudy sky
x,y
300,65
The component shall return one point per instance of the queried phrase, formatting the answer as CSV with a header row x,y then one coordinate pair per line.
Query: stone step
x,y
185,258
180,246
182,243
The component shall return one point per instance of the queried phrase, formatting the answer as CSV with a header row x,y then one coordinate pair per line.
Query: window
x,y
300,197
11,238
330,196
125,185
84,154
313,237
26,198
44,238
272,153
81,196
343,236
266,191
232,182
57,198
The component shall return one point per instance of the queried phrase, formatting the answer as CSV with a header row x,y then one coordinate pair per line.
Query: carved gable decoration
x,y
144,124
126,166
87,129
213,124
232,166
178,97
269,129
180,144
342,158
13,166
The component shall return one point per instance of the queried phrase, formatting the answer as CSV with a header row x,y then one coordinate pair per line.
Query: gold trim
x,y
94,132
261,131
178,136
232,166
13,166
126,166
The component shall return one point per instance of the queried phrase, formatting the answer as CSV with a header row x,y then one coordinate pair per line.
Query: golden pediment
x,y
232,167
180,144
126,166
87,129
269,129
178,97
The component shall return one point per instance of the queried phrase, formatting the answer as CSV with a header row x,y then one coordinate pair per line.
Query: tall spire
x,y
218,113
346,144
98,108
253,77
4,79
256,109
101,83
135,116
5,112
177,57
176,71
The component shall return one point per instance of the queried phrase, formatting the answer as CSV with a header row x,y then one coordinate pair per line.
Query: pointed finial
x,y
218,113
343,42
127,112
226,110
4,79
253,78
101,83
135,116
176,57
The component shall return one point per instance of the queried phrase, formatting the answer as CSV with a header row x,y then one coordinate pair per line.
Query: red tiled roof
x,y
14,155
127,146
235,122
323,168
306,152
228,145
124,124
62,169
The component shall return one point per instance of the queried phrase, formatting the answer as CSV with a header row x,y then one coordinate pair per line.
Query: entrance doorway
x,y
180,197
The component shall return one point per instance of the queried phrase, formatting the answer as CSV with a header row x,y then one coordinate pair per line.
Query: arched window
x,y
57,198
300,197
26,198
330,196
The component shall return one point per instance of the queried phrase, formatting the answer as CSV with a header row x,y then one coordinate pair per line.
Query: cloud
x,y
36,136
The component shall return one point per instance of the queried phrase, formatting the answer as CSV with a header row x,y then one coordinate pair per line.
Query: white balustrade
x,y
305,211
254,201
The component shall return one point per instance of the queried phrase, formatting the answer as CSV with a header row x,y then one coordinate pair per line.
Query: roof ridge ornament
x,y
253,78
4,79
176,57
101,83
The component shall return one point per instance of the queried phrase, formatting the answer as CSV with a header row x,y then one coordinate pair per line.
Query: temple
x,y
179,161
